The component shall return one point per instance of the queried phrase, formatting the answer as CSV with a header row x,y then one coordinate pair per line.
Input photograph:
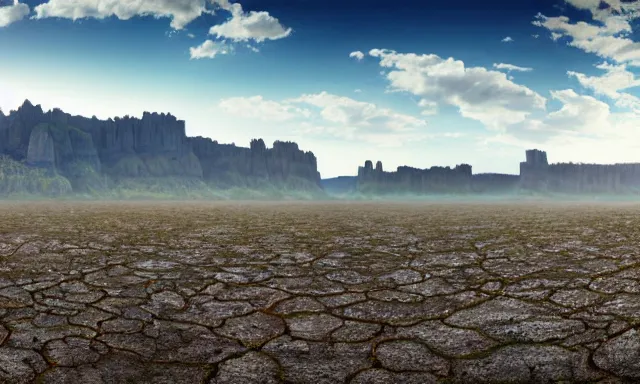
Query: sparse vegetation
x,y
16,179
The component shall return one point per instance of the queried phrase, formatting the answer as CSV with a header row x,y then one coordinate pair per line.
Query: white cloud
x,y
357,90
208,50
579,116
191,35
252,48
352,134
243,26
428,107
556,36
507,39
331,116
607,40
357,55
480,94
349,112
181,12
584,123
9,14
256,107
578,112
629,9
616,78
535,36
511,67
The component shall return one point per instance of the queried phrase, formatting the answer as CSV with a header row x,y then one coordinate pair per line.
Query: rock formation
x,y
155,146
492,183
536,174
284,162
40,151
414,180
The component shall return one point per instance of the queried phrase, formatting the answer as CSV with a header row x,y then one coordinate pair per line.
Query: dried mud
x,y
319,293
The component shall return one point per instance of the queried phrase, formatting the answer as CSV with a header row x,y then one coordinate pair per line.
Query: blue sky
x,y
406,82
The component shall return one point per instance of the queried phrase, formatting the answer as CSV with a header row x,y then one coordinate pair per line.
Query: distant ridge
x,y
536,174
95,154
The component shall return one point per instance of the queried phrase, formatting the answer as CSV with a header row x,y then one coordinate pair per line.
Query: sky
x,y
418,83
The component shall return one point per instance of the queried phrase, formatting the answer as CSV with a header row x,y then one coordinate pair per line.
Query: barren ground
x,y
319,293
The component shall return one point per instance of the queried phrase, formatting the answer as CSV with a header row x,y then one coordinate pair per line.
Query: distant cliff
x,y
536,175
405,179
95,154
340,185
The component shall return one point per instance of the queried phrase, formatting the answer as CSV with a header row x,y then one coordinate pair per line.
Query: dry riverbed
x,y
319,292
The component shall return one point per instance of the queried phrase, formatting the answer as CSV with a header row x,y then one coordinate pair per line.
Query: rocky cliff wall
x,y
494,183
537,174
281,162
413,180
41,151
154,146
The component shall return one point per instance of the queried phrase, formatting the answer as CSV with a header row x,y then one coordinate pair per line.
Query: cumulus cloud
x,y
357,55
584,126
582,120
378,139
507,39
579,114
602,9
480,94
181,12
240,27
349,112
511,67
325,114
258,108
208,50
245,26
9,14
607,40
615,79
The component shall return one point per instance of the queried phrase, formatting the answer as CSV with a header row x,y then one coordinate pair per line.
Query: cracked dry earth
x,y
319,293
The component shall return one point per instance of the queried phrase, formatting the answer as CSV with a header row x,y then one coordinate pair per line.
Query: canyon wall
x,y
413,180
154,146
536,175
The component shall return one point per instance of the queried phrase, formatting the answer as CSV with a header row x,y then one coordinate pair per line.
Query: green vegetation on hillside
x,y
18,179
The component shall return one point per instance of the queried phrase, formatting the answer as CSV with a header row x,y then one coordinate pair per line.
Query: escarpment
x,y
536,174
152,147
